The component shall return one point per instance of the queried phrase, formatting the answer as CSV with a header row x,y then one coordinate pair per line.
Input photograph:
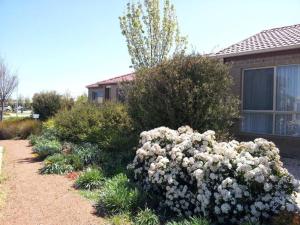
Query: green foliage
x,y
90,179
80,124
82,99
88,153
107,126
46,104
18,128
75,161
118,196
56,164
33,139
146,217
190,221
92,195
120,219
151,33
192,90
67,102
45,147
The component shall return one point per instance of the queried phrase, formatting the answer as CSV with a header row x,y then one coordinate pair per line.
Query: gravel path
x,y
35,199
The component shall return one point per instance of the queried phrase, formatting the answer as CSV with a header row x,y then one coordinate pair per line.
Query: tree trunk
x,y
2,110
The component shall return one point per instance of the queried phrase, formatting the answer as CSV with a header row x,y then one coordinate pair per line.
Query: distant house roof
x,y
276,39
114,80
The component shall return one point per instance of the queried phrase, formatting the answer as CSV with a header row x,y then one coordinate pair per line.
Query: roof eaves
x,y
275,49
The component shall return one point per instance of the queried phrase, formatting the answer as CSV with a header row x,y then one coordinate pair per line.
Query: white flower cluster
x,y
196,175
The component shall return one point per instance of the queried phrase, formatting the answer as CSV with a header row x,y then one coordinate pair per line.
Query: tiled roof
x,y
275,39
114,80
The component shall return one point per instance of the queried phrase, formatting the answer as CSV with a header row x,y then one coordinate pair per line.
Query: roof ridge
x,y
127,74
281,28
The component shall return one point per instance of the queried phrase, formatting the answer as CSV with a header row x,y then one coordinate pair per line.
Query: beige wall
x,y
289,146
113,92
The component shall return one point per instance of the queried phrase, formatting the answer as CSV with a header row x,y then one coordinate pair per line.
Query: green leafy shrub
x,y
121,219
18,128
187,90
46,104
118,196
33,139
56,164
45,147
191,221
88,153
90,179
75,161
107,125
146,217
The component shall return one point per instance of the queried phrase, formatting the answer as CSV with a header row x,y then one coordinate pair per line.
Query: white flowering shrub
x,y
196,175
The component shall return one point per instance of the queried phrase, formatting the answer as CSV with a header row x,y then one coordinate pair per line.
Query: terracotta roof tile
x,y
114,80
268,40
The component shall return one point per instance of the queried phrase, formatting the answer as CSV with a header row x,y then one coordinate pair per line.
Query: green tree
x,y
82,98
28,103
67,101
151,34
46,104
187,90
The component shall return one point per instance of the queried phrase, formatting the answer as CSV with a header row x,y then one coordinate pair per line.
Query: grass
x,y
92,195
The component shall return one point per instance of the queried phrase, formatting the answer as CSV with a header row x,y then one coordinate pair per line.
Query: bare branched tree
x,y
8,83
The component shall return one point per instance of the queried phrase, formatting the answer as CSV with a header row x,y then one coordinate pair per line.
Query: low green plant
x,y
33,139
92,195
45,147
121,219
75,161
191,221
146,217
56,164
118,196
90,179
88,153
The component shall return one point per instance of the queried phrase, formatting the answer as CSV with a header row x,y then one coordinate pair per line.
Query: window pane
x,y
287,124
258,89
288,88
257,123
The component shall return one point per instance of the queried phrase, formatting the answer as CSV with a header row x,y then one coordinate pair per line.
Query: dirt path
x,y
34,199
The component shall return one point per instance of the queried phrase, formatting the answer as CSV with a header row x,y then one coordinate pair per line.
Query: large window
x,y
271,100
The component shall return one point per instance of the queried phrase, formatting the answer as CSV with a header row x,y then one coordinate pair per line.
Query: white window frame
x,y
274,112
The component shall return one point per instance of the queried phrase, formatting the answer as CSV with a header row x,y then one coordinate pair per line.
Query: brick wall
x,y
289,146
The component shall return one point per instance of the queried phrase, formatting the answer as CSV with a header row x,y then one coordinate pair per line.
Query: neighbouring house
x,y
266,72
108,90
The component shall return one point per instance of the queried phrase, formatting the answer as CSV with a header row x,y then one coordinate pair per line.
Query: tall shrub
x,y
46,104
192,90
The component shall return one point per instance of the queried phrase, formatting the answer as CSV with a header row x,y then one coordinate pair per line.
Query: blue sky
x,y
64,45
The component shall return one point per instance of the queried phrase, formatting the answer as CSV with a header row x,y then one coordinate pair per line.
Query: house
x,y
108,90
266,73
